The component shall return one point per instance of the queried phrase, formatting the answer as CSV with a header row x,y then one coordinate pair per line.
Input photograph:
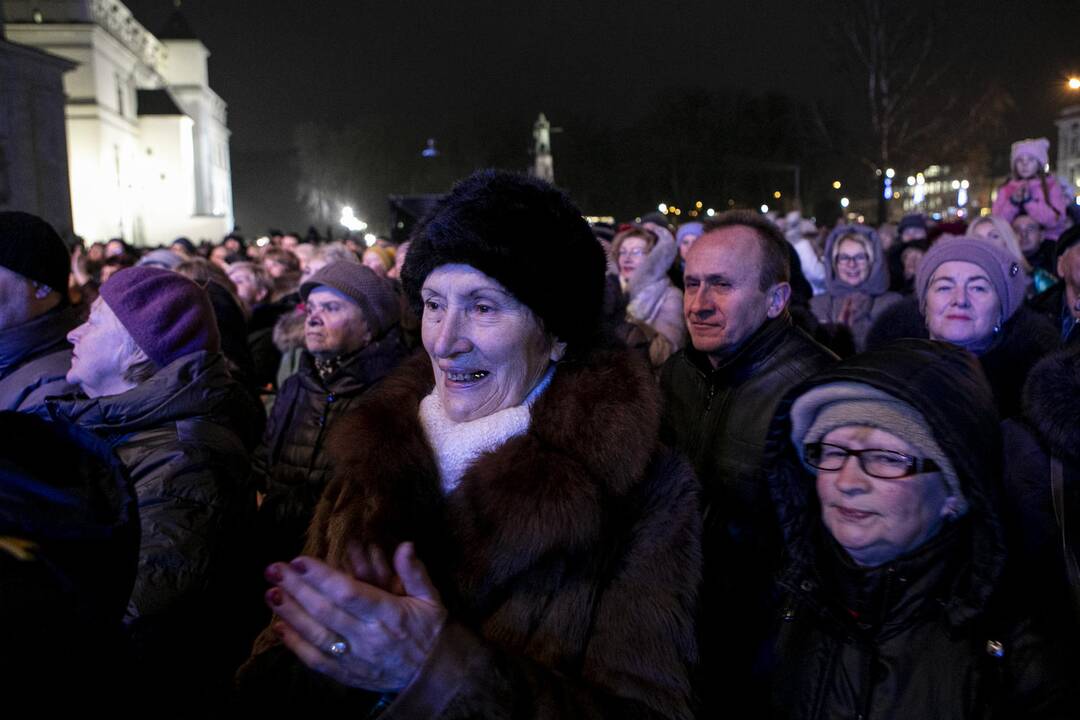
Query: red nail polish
x,y
273,573
298,566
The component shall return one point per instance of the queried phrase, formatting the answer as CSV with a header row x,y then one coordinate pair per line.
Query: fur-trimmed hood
x,y
1052,402
289,331
543,491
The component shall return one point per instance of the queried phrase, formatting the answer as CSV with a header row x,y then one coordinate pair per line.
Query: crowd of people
x,y
521,466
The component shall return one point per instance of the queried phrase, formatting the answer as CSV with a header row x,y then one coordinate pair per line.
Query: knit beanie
x,y
162,258
690,228
1004,271
1038,148
910,221
359,283
166,314
30,247
528,236
822,409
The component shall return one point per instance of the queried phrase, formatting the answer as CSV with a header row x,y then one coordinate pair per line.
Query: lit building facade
x,y
33,144
1068,158
147,139
943,193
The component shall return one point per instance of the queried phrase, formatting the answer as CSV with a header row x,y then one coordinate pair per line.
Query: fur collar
x,y
1052,402
545,492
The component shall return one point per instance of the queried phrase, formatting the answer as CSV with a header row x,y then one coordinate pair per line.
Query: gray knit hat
x,y
374,295
824,408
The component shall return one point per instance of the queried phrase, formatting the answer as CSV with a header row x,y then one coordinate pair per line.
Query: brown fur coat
x,y
569,558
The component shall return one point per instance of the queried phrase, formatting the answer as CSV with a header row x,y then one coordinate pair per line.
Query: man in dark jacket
x,y
719,398
352,339
155,387
35,316
1060,303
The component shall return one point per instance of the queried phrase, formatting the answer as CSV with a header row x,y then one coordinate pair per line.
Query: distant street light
x,y
662,207
844,202
836,184
764,208
776,194
350,221
1074,83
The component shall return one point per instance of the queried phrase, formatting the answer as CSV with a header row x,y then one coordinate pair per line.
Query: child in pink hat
x,y
1029,191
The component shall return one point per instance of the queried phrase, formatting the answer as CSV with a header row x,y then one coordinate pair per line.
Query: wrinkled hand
x,y
662,233
389,636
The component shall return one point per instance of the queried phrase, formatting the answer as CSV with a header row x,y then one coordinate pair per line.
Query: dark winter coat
x,y
720,418
291,466
1051,305
933,633
568,557
176,433
35,358
264,354
1023,340
69,543
1048,431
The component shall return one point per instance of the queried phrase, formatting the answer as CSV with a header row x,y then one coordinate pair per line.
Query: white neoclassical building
x,y
148,141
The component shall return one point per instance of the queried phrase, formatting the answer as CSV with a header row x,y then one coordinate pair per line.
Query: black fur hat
x,y
527,235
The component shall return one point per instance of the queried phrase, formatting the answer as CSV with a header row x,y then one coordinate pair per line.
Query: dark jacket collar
x,y
358,370
43,335
748,358
191,386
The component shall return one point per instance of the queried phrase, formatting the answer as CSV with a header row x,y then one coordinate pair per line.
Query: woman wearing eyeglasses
x,y
643,256
856,283
892,603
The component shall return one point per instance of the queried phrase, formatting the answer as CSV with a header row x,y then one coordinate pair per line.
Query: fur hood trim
x,y
1052,402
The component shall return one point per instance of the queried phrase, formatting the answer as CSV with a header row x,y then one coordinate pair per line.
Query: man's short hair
x,y
775,256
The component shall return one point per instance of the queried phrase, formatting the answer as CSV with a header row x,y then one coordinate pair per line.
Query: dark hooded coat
x,y
35,358
568,557
1044,532
933,633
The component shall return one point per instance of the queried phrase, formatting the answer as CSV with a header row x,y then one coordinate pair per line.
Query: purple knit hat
x,y
168,315
1003,270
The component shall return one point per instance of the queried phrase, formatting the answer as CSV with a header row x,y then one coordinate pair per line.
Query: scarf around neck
x,y
458,444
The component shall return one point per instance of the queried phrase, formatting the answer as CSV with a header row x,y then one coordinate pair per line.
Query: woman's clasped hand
x,y
371,629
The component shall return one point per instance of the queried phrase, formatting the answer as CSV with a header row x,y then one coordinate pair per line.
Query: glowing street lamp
x,y
350,221
764,209
844,202
836,184
1074,83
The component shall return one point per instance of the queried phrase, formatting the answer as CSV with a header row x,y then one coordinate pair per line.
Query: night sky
x,y
446,70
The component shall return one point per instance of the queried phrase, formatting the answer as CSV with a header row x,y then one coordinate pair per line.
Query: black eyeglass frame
x,y
915,465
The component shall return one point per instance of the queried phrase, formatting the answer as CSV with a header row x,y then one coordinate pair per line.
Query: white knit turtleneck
x,y
458,444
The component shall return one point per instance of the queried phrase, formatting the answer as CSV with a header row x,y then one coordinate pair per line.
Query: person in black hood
x,y
156,388
69,542
891,602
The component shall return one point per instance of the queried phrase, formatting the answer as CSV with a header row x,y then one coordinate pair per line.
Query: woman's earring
x,y
997,328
